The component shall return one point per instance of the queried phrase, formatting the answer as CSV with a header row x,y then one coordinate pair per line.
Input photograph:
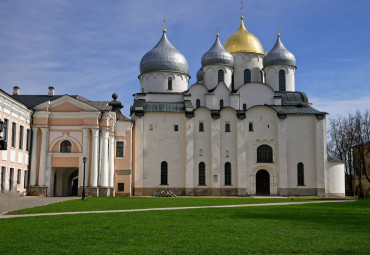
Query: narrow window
x,y
11,178
202,173
25,179
300,173
200,152
250,127
220,75
247,76
14,136
198,103
221,103
227,173
201,127
282,80
121,187
169,83
176,127
264,154
66,146
260,76
164,173
244,107
19,176
119,149
151,127
227,153
28,141
227,127
21,131
5,132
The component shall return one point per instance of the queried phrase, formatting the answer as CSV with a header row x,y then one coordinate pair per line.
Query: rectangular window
x,y
2,176
21,130
25,182
201,127
14,136
5,133
250,127
119,149
176,127
28,141
19,176
151,127
121,187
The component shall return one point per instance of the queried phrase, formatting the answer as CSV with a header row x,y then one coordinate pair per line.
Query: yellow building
x,y
361,162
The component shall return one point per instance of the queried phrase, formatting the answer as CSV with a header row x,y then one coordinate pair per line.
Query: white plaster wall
x,y
164,144
272,77
301,147
202,141
213,99
158,82
198,91
335,178
243,61
211,76
255,94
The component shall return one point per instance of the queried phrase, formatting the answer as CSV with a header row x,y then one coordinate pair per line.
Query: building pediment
x,y
65,104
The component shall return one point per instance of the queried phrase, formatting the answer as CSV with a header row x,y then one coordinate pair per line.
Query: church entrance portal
x,y
262,183
65,181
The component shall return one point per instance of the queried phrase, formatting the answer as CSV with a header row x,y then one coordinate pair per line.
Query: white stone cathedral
x,y
242,129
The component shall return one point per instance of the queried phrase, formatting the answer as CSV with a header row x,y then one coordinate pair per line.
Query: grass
x,y
332,228
121,203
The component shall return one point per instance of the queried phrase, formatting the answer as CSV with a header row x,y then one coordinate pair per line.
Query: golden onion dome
x,y
243,41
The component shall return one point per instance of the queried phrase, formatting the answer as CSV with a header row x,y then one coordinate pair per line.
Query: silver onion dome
x,y
200,75
217,55
164,57
279,55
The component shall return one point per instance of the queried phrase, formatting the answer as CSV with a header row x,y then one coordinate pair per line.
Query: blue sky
x,y
93,48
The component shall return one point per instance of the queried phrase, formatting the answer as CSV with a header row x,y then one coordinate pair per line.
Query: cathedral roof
x,y
243,41
200,75
164,57
217,55
279,55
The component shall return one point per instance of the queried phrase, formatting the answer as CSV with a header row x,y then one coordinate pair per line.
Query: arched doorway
x,y
263,183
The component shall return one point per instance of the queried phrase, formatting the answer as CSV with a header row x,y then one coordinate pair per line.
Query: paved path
x,y
11,202
172,208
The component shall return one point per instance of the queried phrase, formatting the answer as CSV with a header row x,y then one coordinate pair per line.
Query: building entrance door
x,y
262,183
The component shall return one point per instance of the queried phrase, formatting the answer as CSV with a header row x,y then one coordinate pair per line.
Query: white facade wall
x,y
272,77
211,76
335,184
242,61
253,94
158,82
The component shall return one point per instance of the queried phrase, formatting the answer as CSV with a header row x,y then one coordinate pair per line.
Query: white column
x,y
320,154
216,154
190,182
94,158
283,157
104,159
35,152
48,174
111,160
43,163
85,153
242,158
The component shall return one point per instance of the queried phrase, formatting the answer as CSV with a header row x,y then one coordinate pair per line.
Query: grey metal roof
x,y
217,55
33,100
200,75
293,98
160,106
332,157
164,57
290,109
279,55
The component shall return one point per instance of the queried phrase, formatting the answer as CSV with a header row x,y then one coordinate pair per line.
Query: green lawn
x,y
332,228
121,203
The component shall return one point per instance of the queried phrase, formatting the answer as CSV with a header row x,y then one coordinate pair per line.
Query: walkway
x,y
11,202
172,208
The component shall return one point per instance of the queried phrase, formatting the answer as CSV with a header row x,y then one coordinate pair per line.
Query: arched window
x,y
264,154
164,173
201,127
260,78
300,173
244,107
169,83
221,103
66,146
227,127
227,173
197,103
247,76
202,173
220,75
282,86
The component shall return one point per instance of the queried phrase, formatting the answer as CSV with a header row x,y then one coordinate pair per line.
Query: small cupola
x,y
279,55
217,55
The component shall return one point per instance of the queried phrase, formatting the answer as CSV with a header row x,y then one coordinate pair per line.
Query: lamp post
x,y
83,181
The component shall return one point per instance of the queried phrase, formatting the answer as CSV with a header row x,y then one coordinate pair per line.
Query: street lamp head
x,y
84,159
